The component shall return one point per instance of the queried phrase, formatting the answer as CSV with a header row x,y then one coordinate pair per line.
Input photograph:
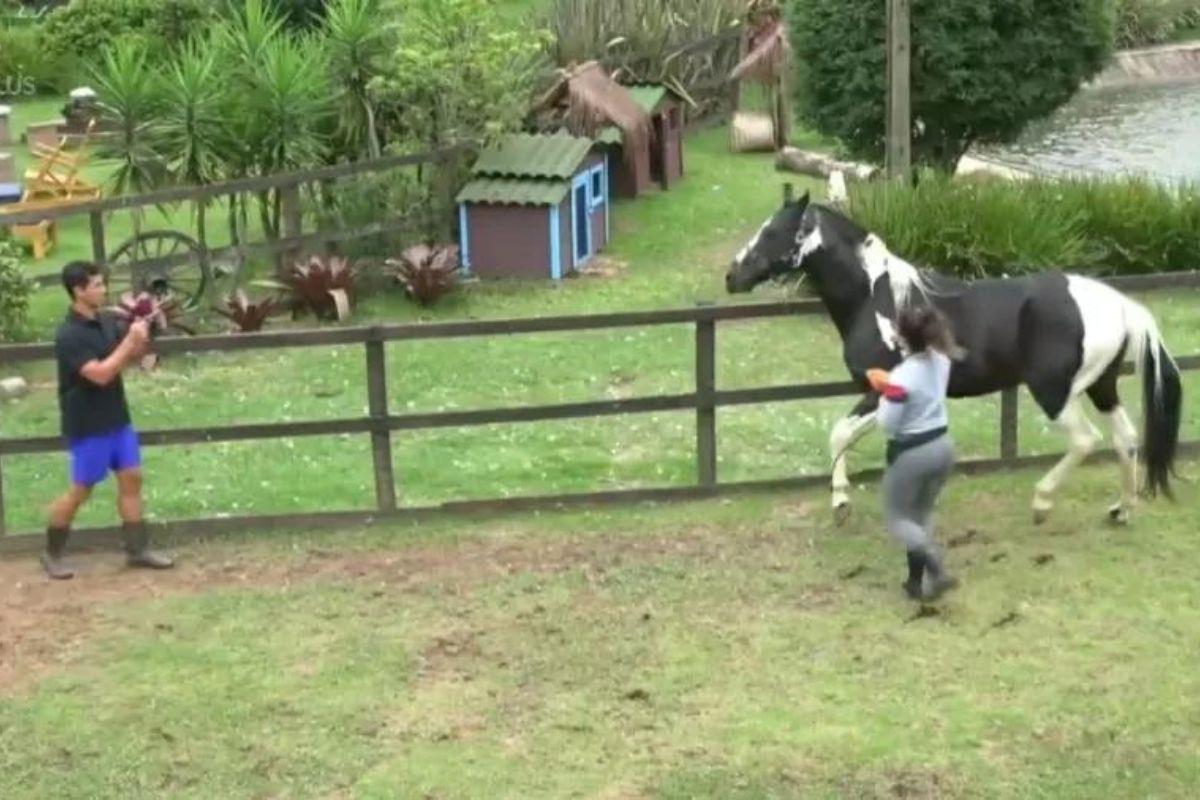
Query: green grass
x,y
719,650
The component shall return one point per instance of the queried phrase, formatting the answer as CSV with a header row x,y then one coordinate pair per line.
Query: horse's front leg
x,y
845,434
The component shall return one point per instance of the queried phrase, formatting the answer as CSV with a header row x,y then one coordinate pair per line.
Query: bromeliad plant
x,y
323,285
247,315
426,273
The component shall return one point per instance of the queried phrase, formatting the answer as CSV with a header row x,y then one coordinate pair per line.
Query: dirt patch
x,y
902,785
44,623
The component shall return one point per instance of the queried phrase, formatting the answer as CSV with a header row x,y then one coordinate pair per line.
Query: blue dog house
x,y
537,206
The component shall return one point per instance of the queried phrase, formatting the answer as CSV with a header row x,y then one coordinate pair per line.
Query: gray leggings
x,y
911,487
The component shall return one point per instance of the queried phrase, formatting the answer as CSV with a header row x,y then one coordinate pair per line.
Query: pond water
x,y
1153,130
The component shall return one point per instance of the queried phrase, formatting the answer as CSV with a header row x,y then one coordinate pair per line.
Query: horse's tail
x,y
1162,397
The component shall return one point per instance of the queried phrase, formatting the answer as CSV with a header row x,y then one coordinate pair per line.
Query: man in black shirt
x,y
95,417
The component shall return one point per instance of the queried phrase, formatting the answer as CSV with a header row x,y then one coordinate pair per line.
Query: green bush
x,y
1148,22
981,69
84,28
986,226
15,292
26,67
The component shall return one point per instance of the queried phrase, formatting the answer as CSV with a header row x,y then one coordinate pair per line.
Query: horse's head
x,y
772,252
808,240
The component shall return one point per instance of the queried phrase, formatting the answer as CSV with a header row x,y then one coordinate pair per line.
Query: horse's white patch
x,y
876,260
845,434
887,332
1108,319
750,245
809,244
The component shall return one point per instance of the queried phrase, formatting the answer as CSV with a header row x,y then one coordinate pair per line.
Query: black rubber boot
x,y
916,574
939,581
137,548
56,546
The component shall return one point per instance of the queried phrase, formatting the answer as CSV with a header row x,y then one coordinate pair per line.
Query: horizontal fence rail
x,y
381,423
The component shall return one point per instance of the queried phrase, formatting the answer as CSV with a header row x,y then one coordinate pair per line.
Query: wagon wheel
x,y
163,263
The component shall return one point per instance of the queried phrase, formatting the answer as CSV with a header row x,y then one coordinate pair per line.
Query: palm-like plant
x,y
193,135
358,47
128,99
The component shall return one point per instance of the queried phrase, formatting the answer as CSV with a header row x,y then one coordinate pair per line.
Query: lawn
x,y
738,649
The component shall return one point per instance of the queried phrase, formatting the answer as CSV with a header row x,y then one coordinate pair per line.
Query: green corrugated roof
x,y
647,95
525,155
610,135
521,191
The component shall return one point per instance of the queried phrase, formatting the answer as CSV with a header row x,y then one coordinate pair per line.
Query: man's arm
x,y
103,372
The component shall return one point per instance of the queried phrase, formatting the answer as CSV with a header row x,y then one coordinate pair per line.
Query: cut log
x,y
818,165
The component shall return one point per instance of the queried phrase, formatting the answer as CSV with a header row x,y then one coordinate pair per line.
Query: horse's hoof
x,y
1040,515
1118,515
841,514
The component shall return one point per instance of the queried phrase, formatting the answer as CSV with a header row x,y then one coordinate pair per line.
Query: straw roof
x,y
590,100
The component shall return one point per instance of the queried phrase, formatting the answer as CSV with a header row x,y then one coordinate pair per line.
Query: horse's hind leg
x,y
1082,437
1124,438
846,432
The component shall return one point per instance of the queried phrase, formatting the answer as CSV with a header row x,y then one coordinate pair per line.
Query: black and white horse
x,y
1061,335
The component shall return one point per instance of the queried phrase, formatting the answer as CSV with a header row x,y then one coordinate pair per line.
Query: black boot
x,y
916,574
137,541
56,545
939,581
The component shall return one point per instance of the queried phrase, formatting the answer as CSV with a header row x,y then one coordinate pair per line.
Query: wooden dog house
x,y
537,206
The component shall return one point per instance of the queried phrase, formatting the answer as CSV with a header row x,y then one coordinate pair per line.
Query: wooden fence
x,y
289,185
381,422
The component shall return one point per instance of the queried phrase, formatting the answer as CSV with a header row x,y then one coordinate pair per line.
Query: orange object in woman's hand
x,y
878,378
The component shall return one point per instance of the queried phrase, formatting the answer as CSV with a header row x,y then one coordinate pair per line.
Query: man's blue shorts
x,y
93,456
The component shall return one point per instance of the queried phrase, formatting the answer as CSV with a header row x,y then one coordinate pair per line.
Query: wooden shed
x,y
536,206
658,159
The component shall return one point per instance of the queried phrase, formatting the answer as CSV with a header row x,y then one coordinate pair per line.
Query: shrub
x,y
1147,22
323,286
427,273
246,315
26,67
981,69
16,289
986,226
83,28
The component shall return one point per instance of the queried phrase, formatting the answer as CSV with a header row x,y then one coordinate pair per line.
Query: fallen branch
x,y
818,165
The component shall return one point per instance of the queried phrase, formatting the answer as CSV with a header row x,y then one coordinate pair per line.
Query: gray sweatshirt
x,y
915,401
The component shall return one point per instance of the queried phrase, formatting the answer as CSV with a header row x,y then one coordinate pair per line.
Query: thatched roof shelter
x,y
588,100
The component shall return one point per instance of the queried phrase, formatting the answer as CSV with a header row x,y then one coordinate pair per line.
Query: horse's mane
x,y
878,260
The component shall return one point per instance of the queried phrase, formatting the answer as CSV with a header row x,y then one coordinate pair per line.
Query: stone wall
x,y
1153,64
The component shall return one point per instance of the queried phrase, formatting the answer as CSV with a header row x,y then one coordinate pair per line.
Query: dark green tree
x,y
981,69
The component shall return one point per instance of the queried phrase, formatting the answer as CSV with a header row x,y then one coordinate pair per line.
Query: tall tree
x,y
981,69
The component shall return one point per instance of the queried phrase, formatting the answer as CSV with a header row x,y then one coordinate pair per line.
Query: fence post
x,y
97,221
706,410
899,100
3,530
1009,402
290,224
381,435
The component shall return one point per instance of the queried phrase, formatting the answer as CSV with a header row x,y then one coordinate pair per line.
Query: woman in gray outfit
x,y
920,452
